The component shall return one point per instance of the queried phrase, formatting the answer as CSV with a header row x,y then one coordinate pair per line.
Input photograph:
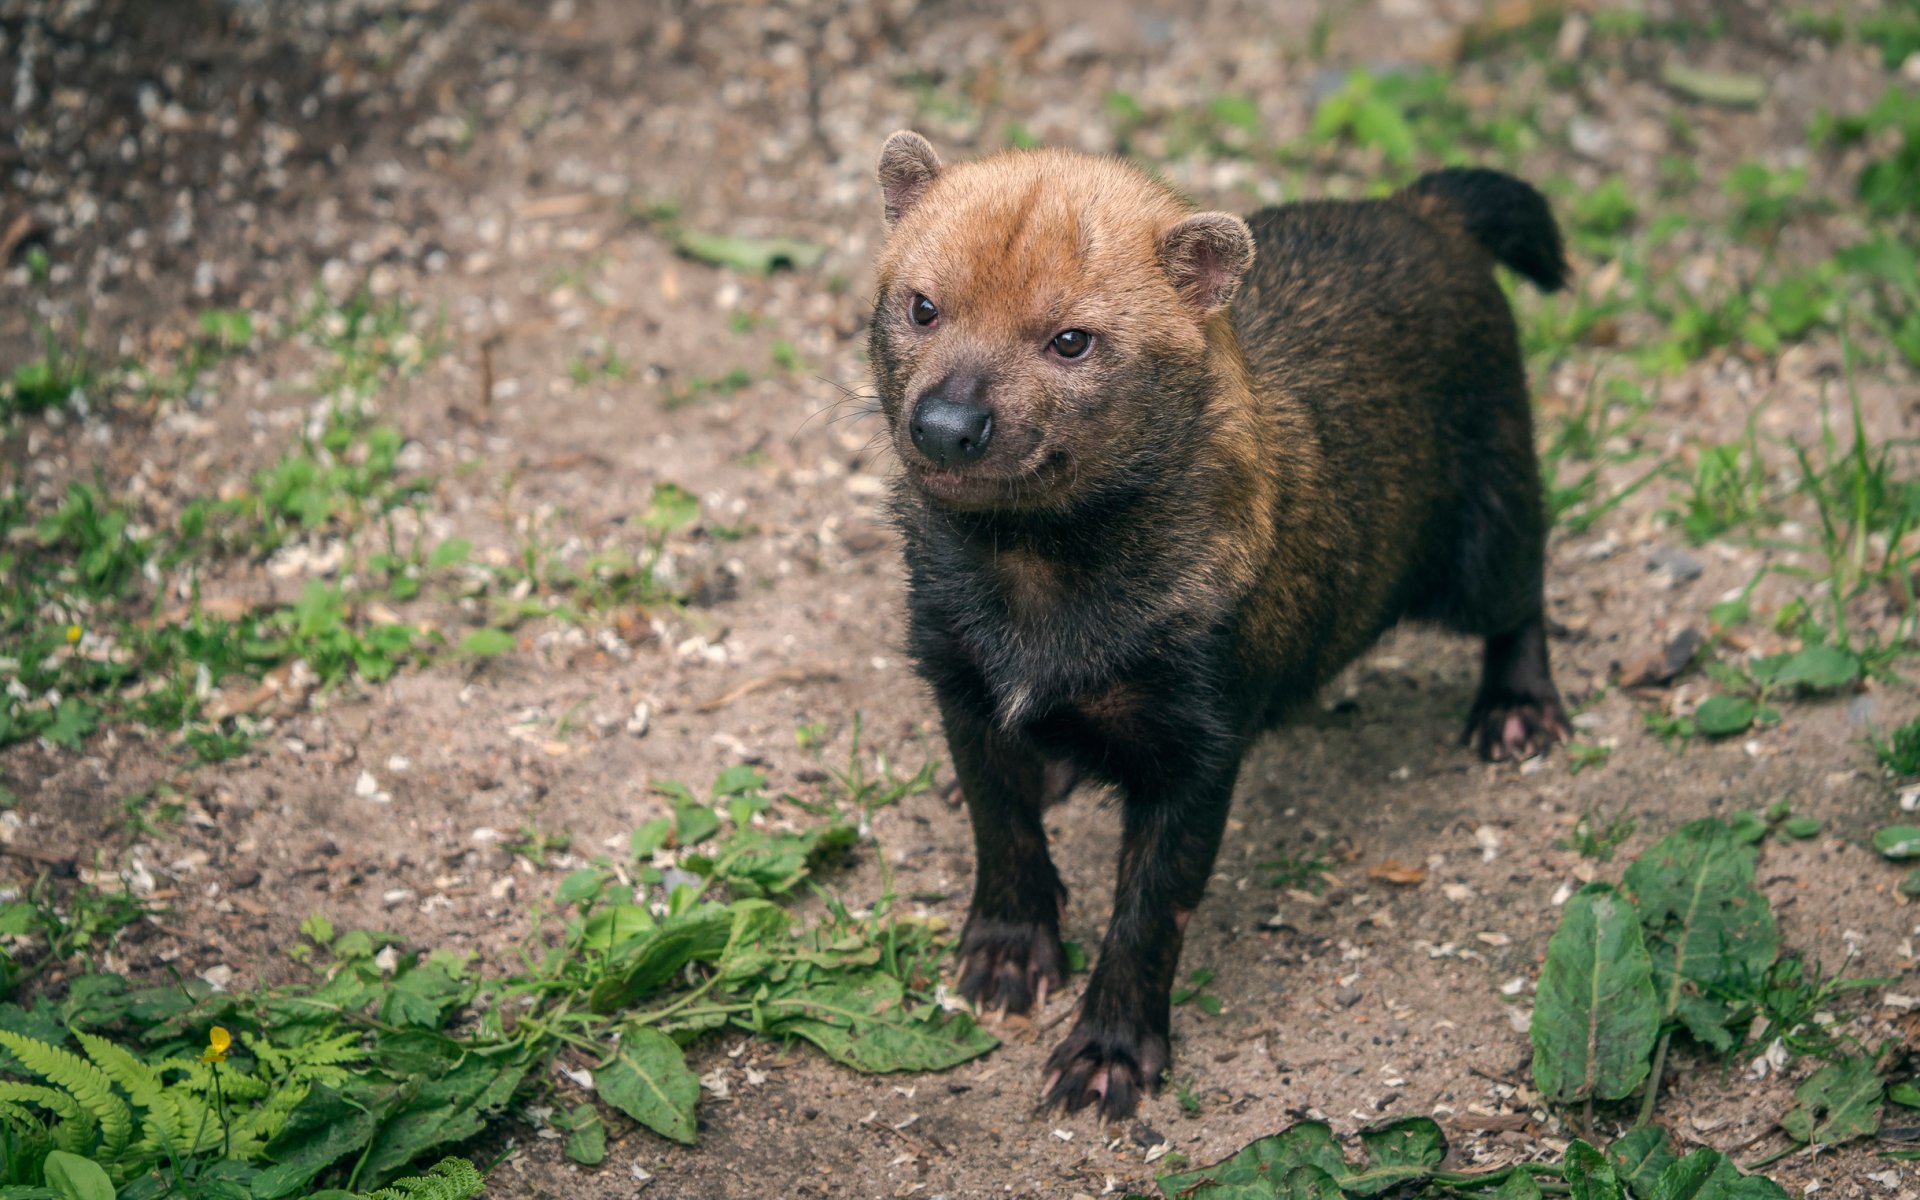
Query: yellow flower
x,y
217,1042
73,633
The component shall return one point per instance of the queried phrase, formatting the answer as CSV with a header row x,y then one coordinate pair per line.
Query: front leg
x,y
1119,1047
1010,953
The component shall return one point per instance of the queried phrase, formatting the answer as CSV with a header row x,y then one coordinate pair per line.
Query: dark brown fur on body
x,y
1144,518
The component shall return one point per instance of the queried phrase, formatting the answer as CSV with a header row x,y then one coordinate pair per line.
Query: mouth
x,y
961,488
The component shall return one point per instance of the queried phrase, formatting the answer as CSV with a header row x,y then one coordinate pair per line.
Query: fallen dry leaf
x,y
1395,871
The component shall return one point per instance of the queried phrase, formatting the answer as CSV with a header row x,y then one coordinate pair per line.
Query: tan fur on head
x,y
1038,237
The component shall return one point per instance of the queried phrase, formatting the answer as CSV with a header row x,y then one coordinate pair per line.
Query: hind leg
x,y
1496,590
1518,713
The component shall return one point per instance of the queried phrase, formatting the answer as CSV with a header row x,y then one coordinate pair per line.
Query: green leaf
x,y
74,1178
866,1023
1706,924
484,643
1748,829
442,1111
672,507
694,823
1518,1186
1640,1156
1904,1094
1309,1183
642,967
1304,1161
1730,88
325,1127
449,553
1724,716
651,835
737,779
586,1135
1801,827
762,256
1259,1163
1818,668
647,1078
1590,1176
583,884
1398,1152
1837,1103
1596,1015
1898,841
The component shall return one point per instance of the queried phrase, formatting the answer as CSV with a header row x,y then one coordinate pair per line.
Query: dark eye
x,y
923,311
1071,343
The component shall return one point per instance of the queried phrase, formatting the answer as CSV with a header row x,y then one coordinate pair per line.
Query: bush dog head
x,y
1032,310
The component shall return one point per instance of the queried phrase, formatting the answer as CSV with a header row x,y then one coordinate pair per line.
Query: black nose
x,y
948,432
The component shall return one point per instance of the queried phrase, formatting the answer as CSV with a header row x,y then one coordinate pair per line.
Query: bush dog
x,y
1164,473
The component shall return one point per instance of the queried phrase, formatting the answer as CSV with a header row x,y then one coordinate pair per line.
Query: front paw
x,y
1111,1065
1010,966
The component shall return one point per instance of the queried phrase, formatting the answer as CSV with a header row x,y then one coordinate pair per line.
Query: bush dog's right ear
x,y
907,165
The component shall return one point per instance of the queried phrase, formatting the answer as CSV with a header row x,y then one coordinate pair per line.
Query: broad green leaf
x,y
648,1079
1707,1174
74,1178
449,553
1898,841
1309,1183
759,931
484,643
613,925
1590,1176
1906,1095
582,884
1261,1163
1724,716
642,967
1640,1156
1706,924
324,1127
737,779
586,1135
1837,1103
1518,1186
442,1111
694,823
1748,828
761,256
867,1024
1818,668
1596,1017
1801,827
651,835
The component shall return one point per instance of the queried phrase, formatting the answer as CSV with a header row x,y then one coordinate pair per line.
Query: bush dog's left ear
x,y
907,165
1205,256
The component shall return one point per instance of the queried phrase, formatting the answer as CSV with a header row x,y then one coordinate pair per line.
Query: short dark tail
x,y
1500,212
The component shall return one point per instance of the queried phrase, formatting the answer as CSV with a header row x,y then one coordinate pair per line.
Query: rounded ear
x,y
907,165
1205,256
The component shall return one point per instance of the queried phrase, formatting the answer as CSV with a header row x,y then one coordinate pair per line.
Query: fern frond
x,y
448,1179
141,1083
74,1130
259,1125
16,1116
86,1082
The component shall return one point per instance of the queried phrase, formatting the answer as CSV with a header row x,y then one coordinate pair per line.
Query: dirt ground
x,y
492,163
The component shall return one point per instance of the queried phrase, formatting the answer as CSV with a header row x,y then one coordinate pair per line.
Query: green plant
x,y
1597,837
1194,992
1899,752
1307,872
